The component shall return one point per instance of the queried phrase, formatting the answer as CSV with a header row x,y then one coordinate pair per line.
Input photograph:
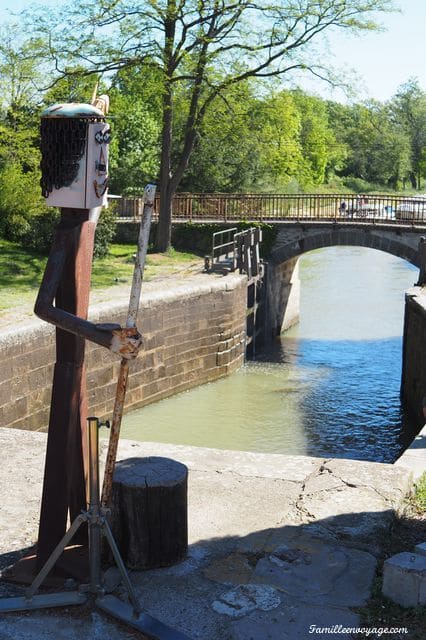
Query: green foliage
x,y
200,52
408,109
375,143
20,200
278,126
358,185
134,149
316,139
74,87
198,238
39,236
135,125
226,157
105,231
194,237
269,234
280,142
420,494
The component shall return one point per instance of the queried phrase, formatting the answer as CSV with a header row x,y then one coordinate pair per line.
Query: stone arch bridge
x,y
295,238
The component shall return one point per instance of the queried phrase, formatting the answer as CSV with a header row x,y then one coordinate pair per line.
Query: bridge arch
x,y
297,238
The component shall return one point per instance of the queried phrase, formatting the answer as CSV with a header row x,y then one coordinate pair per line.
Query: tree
x,y
135,143
201,47
409,110
377,148
20,196
316,138
19,99
278,127
227,152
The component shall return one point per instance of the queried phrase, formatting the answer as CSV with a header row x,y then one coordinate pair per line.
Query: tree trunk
x,y
163,237
164,229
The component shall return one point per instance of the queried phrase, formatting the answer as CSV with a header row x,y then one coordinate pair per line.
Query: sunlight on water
x,y
330,386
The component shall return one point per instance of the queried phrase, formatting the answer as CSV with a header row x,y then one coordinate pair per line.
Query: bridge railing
x,y
231,207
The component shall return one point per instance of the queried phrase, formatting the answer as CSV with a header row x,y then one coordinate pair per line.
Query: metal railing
x,y
224,254
231,207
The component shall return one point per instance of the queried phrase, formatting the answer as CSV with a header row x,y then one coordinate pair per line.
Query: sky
x,y
381,62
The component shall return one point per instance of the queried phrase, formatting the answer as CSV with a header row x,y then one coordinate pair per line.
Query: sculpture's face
x,y
74,145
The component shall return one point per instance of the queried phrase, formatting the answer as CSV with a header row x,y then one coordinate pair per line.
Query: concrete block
x,y
420,549
404,579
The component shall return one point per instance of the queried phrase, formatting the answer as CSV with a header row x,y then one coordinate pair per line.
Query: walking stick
x,y
148,199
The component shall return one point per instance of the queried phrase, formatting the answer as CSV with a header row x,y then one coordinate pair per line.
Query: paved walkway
x,y
277,544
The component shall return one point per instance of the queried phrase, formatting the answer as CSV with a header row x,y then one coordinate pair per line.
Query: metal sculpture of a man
x,y
74,143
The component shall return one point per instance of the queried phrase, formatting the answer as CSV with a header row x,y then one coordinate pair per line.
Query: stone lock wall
x,y
193,333
413,386
282,297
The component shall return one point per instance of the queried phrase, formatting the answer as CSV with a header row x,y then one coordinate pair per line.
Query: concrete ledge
x,y
277,543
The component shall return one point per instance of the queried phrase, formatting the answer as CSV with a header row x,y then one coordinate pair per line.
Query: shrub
x,y
37,232
358,185
20,200
105,231
197,237
40,231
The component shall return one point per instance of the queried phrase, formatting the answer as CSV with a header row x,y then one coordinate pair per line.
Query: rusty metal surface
x,y
143,240
67,278
115,431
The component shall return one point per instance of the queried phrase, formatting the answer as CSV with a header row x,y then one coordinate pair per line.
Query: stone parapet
x,y
194,332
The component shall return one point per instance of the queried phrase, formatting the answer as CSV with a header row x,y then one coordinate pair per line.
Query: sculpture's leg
x,y
63,474
64,478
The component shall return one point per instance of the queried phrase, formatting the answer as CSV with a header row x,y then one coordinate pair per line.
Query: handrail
x,y
236,207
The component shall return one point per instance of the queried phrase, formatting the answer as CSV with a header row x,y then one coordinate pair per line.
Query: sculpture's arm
x,y
124,341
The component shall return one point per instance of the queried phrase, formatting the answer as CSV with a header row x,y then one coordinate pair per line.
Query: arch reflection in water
x,y
328,387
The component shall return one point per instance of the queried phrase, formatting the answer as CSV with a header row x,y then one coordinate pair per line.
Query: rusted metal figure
x,y
74,141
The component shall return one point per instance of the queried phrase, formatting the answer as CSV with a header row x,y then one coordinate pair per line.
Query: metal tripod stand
x,y
95,517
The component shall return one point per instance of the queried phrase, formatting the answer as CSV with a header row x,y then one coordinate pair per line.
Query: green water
x,y
329,386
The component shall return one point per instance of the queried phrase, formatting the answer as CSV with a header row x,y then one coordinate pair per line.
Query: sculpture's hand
x,y
125,341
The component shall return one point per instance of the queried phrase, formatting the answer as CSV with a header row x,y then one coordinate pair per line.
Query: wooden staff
x,y
148,199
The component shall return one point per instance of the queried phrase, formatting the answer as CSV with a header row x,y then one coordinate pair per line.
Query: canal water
x,y
328,386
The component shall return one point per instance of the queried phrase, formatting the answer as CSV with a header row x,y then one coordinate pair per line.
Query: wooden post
x,y
149,515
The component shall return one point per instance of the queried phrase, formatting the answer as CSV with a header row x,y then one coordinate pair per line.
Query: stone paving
x,y
277,544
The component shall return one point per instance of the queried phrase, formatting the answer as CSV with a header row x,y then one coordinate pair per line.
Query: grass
x,y
21,270
420,495
20,274
408,530
118,265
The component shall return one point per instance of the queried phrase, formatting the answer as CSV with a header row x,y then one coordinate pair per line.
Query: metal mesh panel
x,y
63,142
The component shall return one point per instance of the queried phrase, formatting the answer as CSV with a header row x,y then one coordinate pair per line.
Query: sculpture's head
x,y
74,147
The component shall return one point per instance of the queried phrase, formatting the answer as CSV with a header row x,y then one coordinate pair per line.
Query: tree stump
x,y
149,515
